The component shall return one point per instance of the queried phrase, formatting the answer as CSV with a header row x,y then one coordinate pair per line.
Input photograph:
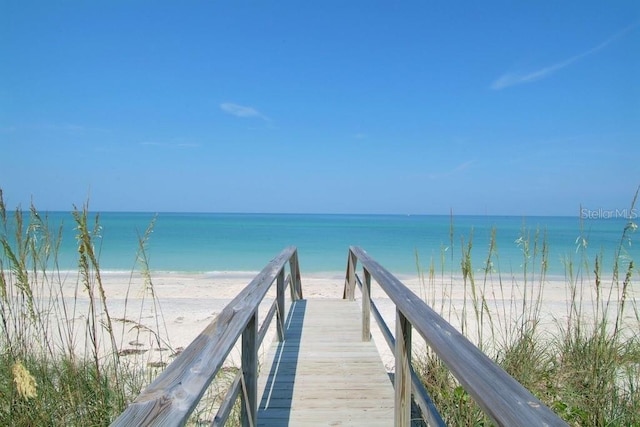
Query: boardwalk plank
x,y
323,373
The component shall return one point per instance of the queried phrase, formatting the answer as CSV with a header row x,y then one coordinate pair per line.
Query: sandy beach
x,y
185,304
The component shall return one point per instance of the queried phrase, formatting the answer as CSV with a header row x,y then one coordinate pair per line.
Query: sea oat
x,y
25,383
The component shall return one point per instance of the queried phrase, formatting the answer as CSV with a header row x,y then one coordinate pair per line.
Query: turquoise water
x,y
195,242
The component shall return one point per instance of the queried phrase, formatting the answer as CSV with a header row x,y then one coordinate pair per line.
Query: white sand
x,y
186,303
152,330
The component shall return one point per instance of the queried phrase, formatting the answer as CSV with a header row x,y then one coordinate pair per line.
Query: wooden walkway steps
x,y
323,373
320,372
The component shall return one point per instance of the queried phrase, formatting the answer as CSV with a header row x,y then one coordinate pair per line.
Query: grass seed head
x,y
25,383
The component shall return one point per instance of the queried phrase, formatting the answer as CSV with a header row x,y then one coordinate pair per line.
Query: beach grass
x,y
59,358
65,359
584,363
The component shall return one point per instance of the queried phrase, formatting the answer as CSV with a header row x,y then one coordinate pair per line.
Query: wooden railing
x,y
499,395
174,394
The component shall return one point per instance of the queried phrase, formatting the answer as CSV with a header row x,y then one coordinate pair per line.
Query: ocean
x,y
207,242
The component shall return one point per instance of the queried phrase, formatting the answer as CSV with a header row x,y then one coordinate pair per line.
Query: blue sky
x,y
516,108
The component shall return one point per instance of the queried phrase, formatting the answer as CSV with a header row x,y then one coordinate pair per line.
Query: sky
x,y
415,107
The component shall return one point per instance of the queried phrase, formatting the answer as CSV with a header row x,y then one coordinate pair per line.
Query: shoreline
x,y
181,304
250,274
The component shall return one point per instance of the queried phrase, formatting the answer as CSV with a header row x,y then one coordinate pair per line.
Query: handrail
x,y
499,395
420,394
174,394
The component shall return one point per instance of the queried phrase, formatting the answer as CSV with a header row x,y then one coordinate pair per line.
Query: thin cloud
x,y
170,145
463,166
513,79
456,170
242,111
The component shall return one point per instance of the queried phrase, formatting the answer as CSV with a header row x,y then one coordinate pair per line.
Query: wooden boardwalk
x,y
323,373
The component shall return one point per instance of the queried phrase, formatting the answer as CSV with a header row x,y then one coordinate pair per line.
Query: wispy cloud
x,y
463,166
457,169
170,144
242,111
517,78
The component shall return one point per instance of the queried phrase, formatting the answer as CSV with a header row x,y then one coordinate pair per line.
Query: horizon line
x,y
600,213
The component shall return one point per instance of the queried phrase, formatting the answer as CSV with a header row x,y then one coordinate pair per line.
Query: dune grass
x,y
65,359
59,358
584,363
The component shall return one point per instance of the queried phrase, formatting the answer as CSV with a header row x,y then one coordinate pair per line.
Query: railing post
x,y
249,401
402,380
280,305
350,285
296,286
366,306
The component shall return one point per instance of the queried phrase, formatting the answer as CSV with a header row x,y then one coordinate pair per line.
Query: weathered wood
x,y
266,322
366,307
499,395
227,402
280,305
249,395
402,379
296,282
173,395
323,373
350,281
419,392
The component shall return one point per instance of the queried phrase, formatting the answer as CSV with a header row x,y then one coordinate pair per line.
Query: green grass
x,y
61,349
583,363
59,358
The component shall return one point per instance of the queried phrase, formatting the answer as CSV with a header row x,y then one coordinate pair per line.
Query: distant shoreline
x,y
439,277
